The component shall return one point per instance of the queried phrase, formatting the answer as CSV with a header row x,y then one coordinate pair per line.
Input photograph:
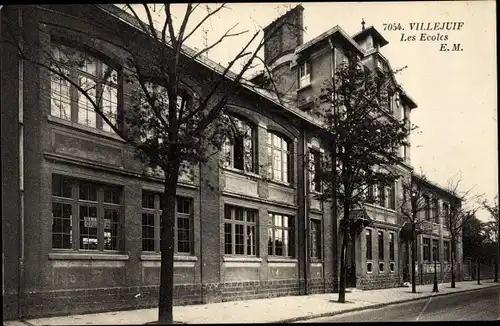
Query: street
x,y
476,305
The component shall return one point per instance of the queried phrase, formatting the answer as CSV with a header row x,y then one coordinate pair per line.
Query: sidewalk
x,y
272,310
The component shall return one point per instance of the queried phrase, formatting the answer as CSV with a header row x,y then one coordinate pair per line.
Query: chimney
x,y
284,34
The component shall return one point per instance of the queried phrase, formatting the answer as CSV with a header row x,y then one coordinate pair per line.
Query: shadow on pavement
x,y
336,301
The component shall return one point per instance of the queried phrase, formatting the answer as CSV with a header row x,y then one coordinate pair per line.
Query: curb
x,y
373,306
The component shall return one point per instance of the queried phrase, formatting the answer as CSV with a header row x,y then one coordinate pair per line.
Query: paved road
x,y
476,305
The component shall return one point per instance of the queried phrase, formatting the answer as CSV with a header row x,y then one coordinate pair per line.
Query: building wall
x,y
68,281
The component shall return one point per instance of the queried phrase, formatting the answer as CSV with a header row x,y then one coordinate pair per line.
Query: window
x,y
152,204
381,196
314,167
95,207
446,245
392,245
316,239
381,245
392,196
427,249
427,208
435,249
304,74
446,215
98,80
240,237
281,235
239,151
435,210
278,153
369,250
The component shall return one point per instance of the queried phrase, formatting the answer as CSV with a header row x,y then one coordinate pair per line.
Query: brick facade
x,y
42,281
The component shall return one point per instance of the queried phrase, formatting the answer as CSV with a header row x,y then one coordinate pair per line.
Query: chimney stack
x,y
284,34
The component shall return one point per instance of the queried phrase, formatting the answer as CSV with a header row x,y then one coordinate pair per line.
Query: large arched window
x,y
98,80
239,149
278,152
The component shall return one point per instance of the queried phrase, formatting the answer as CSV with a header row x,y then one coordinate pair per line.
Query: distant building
x,y
80,214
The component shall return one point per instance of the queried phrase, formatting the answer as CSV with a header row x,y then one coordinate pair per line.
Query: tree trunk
x,y
413,259
343,266
168,216
452,262
478,272
343,263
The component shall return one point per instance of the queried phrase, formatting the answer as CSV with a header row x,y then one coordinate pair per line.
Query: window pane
x,y
88,191
148,199
111,229
239,239
183,205
228,240
238,153
61,226
251,240
369,244
111,195
238,213
270,240
227,212
86,110
183,233
60,96
61,186
88,227
109,105
251,215
380,245
278,241
148,228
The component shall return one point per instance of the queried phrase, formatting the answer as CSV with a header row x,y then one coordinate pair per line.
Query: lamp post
x,y
435,287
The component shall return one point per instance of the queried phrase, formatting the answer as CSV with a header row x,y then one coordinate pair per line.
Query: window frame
x,y
381,249
75,97
446,215
101,206
245,223
229,151
426,249
304,72
157,211
435,211
318,244
427,207
392,246
369,244
288,251
288,153
315,185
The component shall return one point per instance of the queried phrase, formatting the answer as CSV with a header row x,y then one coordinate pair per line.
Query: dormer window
x,y
304,74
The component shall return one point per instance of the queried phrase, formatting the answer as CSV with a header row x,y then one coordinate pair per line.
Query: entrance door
x,y
351,264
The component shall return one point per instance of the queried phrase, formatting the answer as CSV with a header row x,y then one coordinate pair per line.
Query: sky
x,y
456,91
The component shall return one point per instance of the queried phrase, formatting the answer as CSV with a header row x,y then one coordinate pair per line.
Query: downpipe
x,y
21,285
306,213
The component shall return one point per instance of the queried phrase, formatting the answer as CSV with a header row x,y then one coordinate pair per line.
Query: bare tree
x,y
492,229
415,204
173,119
362,143
461,211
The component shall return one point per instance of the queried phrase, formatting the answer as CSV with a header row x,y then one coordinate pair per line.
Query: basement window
x,y
392,267
381,267
369,267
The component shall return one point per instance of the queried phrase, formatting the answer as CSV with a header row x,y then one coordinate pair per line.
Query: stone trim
x,y
86,256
